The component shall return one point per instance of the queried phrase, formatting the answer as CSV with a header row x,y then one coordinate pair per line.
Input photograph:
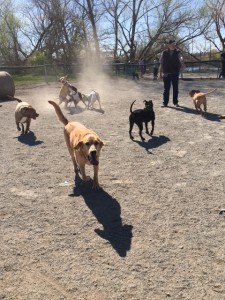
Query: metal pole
x,y
46,74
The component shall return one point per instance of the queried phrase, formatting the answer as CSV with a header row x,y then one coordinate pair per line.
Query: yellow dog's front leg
x,y
96,185
83,174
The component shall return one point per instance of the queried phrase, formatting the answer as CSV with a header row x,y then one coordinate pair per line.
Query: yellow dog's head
x,y
63,79
193,92
90,146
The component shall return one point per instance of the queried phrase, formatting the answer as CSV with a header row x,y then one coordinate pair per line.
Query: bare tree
x,y
54,28
214,12
142,26
114,9
92,11
66,29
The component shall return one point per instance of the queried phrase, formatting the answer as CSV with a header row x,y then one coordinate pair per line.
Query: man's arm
x,y
181,61
160,67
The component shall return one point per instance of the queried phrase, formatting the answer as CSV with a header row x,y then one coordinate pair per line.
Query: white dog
x,y
91,99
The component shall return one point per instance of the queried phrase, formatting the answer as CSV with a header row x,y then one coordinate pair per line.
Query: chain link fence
x,y
50,73
200,69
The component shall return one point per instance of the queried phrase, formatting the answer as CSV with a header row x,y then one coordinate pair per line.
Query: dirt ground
x,y
155,231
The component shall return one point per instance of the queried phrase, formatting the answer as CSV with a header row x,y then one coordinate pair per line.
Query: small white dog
x,y
91,99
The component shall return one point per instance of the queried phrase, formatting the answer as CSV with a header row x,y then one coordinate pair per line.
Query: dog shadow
x,y
29,139
72,110
209,116
107,211
212,117
98,110
153,142
6,99
185,109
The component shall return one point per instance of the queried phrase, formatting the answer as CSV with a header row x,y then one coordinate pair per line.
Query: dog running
x,y
83,144
91,99
199,99
23,114
141,116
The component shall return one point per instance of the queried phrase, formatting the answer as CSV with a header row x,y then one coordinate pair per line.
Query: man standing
x,y
171,62
155,68
142,66
222,74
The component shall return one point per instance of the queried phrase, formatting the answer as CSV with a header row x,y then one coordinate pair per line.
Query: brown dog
x,y
68,93
64,93
23,114
63,79
83,144
200,99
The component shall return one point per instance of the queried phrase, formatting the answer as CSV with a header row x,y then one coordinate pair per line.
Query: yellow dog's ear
x,y
78,145
103,143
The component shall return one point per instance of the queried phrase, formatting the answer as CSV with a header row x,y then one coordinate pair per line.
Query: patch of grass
x,y
32,79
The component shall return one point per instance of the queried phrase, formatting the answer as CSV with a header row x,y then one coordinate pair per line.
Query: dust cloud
x,y
95,77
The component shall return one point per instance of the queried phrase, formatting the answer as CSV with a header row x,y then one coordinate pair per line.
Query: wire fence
x,y
199,69
50,72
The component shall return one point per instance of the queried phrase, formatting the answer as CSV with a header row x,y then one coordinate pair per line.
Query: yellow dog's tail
x,y
59,113
210,92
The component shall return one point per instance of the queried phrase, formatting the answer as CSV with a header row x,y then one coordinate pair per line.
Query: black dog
x,y
141,116
135,75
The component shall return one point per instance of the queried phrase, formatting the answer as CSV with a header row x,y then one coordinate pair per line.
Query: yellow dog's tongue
x,y
93,161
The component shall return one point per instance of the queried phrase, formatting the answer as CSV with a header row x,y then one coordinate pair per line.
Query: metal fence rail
x,y
197,69
50,72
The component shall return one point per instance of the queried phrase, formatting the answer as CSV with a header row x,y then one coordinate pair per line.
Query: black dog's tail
x,y
13,98
132,106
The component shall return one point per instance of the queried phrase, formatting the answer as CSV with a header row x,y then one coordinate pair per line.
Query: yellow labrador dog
x,y
83,144
23,114
199,99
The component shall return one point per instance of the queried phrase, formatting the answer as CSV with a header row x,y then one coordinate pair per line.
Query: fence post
x,y
46,74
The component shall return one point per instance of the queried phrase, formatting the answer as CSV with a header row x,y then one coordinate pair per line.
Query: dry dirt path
x,y
157,228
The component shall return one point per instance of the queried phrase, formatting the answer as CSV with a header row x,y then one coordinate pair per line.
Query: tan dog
x,y
63,79
200,99
23,114
64,93
83,144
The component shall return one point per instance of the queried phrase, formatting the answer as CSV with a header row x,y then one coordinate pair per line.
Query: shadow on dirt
x,y
98,110
6,99
107,211
212,117
29,139
72,110
209,116
154,142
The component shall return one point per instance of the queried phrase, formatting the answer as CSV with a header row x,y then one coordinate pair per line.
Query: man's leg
x,y
175,81
166,92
